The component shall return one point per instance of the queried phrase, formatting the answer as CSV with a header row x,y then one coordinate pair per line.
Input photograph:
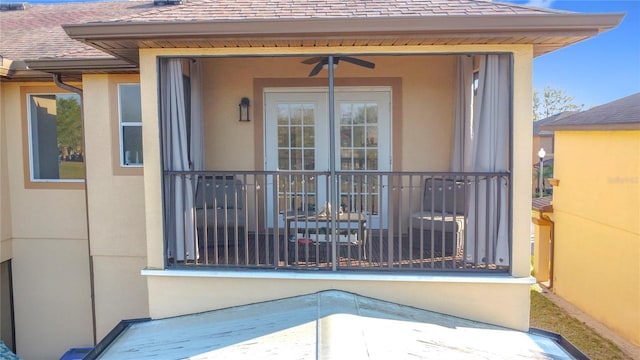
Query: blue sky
x,y
598,70
595,71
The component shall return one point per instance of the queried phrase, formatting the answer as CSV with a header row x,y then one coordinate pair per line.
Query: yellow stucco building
x,y
594,224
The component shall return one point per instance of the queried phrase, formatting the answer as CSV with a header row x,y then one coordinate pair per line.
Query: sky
x,y
594,72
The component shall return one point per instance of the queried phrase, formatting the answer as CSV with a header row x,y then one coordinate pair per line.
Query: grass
x,y
71,170
548,316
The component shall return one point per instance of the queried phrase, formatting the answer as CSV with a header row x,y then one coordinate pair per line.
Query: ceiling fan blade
x,y
359,62
312,60
316,69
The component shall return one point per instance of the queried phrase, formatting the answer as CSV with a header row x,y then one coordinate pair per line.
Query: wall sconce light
x,y
244,109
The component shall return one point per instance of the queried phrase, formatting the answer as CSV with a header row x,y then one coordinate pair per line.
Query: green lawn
x,y
548,316
71,170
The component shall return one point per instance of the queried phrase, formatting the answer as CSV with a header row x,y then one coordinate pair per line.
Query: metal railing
x,y
385,221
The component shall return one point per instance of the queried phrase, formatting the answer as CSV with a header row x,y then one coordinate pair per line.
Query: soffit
x,y
546,32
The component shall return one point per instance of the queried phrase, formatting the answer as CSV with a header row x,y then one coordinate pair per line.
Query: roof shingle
x,y
200,10
36,33
621,112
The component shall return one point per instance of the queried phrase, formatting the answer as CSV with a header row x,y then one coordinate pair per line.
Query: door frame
x,y
320,95
259,84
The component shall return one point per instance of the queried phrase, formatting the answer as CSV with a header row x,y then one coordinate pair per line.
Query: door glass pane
x,y
308,115
283,114
345,113
296,114
358,160
283,136
283,159
309,138
309,159
372,159
296,159
372,113
296,136
358,136
345,136
358,113
372,136
346,157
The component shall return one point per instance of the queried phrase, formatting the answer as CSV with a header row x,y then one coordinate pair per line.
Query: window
x,y
130,125
55,138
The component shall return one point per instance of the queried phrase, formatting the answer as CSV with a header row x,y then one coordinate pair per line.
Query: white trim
x,y
305,275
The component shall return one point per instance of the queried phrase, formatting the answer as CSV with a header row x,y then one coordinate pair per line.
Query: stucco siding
x,y
46,240
120,291
52,296
597,232
116,210
491,302
427,117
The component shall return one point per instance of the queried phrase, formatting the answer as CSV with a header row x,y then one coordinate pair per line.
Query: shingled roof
x,y
537,131
621,114
36,32
204,10
119,29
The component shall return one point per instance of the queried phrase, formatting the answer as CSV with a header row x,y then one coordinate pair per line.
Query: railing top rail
x,y
342,172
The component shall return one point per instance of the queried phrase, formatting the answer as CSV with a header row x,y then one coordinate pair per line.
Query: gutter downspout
x,y
57,79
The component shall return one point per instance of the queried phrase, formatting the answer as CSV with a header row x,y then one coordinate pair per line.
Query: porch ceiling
x,y
546,33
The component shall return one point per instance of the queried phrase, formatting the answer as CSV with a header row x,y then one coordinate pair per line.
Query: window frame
x,y
28,160
121,125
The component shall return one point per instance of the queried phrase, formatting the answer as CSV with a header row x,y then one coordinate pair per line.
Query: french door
x,y
298,139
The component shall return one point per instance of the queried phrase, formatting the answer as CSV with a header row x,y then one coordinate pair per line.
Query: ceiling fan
x,y
322,61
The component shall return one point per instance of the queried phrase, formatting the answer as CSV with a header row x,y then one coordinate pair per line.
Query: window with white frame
x,y
130,128
55,137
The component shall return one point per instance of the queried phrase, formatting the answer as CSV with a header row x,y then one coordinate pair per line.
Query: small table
x,y
315,230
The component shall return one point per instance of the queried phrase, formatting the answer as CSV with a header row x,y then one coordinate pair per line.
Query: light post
x,y
541,155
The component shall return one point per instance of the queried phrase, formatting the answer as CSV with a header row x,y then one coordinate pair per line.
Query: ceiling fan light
x,y
326,66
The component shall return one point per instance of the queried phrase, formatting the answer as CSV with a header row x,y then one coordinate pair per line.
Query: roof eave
x,y
15,70
559,23
80,65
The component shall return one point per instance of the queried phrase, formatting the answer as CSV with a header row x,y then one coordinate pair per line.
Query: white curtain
x,y
486,230
463,130
196,145
179,192
197,121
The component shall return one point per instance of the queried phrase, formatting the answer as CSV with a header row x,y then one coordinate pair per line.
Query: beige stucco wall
x,y
423,135
116,210
48,234
427,106
196,294
596,211
5,231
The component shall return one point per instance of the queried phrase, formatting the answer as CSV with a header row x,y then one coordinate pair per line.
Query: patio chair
x,y
443,211
219,203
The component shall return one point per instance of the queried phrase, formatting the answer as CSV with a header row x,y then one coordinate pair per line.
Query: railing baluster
x,y
435,221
